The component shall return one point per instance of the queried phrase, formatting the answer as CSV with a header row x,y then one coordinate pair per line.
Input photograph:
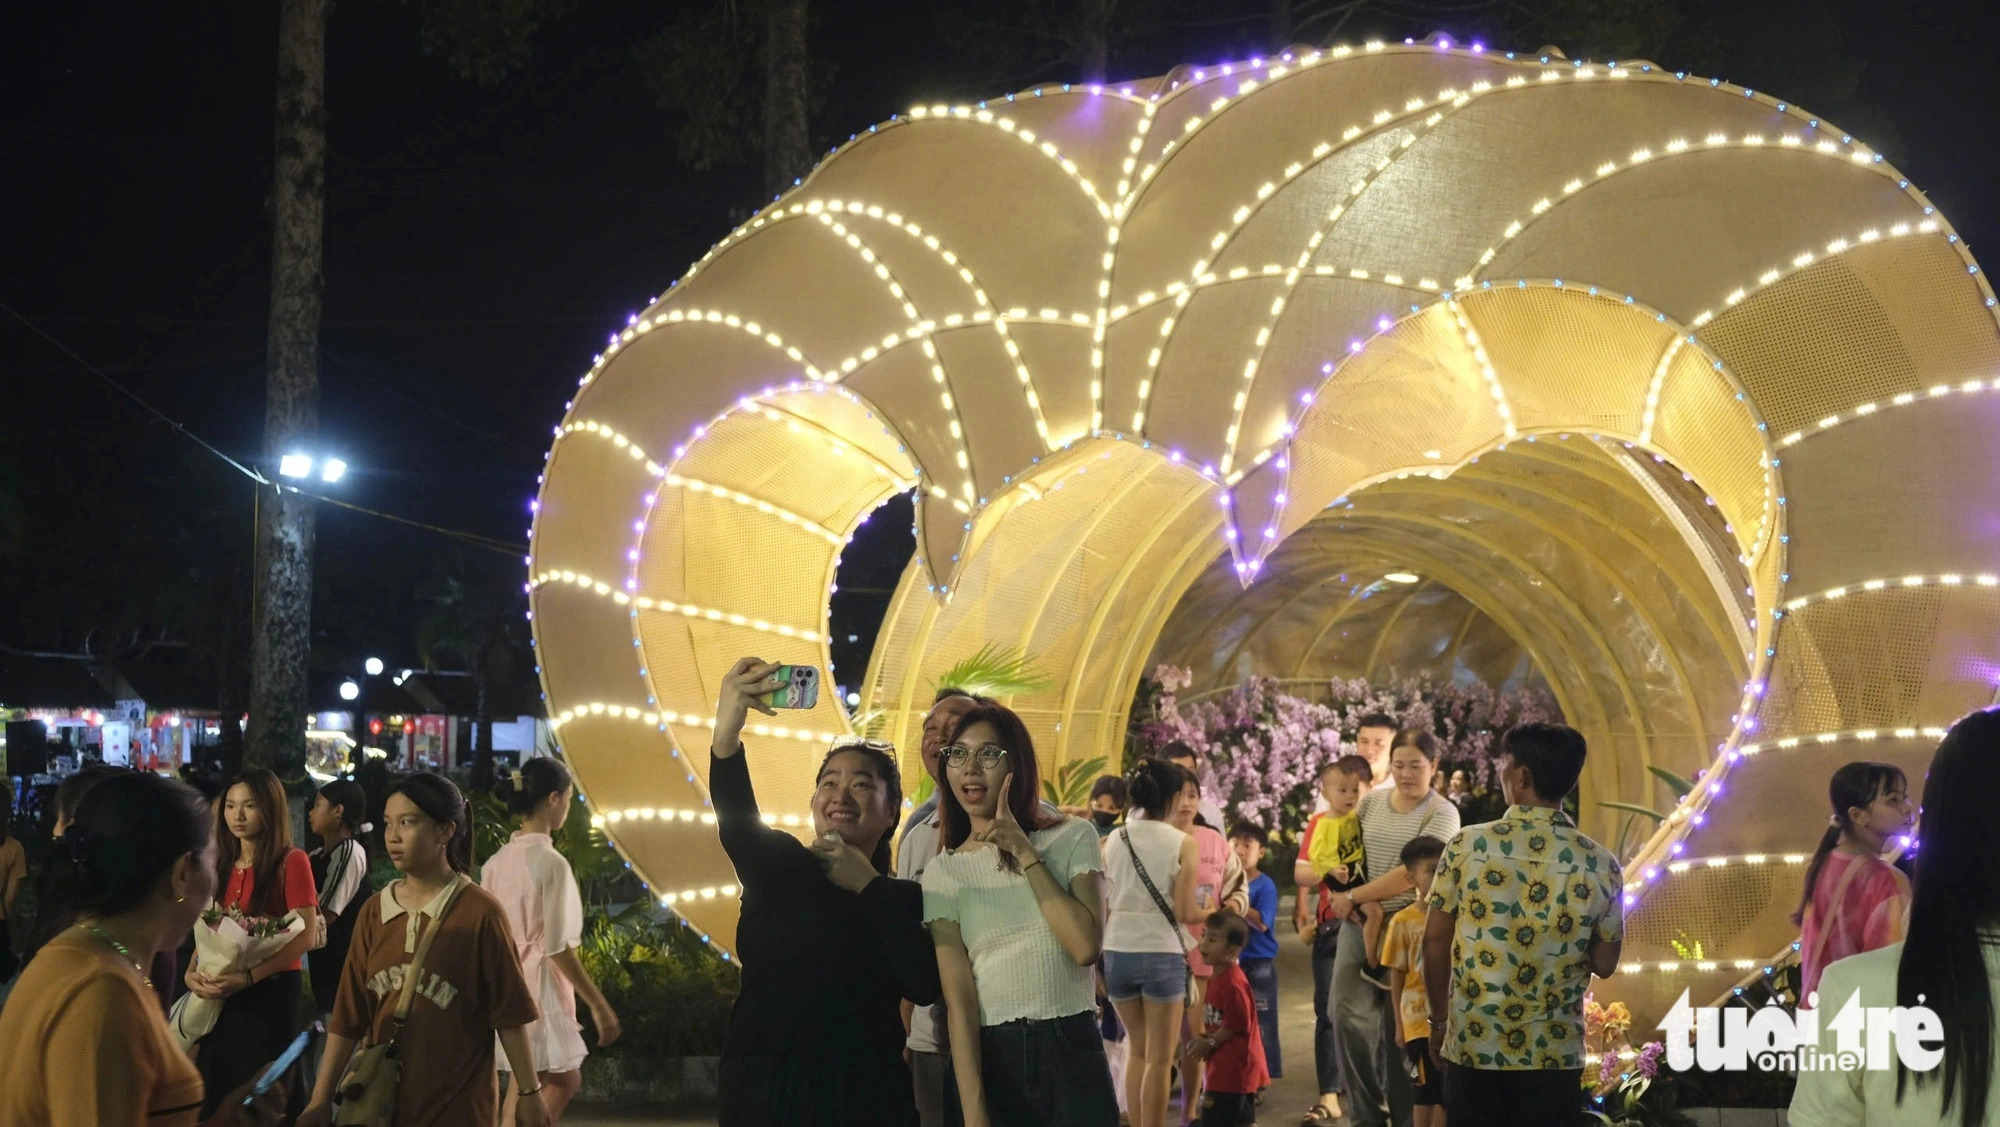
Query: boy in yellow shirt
x,y
1403,955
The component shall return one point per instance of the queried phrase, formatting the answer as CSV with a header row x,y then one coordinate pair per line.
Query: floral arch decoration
x,y
1689,393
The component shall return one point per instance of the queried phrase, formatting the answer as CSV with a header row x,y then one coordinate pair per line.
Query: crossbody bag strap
x,y
1125,835
1832,909
416,971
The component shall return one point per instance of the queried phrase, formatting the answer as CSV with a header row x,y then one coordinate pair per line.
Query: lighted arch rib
x,y
679,316
600,430
667,606
1659,381
1938,391
955,419
1048,149
1857,735
659,720
654,469
1677,147
1988,580
1807,258
1200,276
920,330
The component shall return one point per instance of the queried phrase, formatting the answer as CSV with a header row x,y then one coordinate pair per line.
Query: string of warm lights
x,y
661,719
1777,274
1856,735
1652,408
1681,146
1027,136
1907,581
1938,391
645,602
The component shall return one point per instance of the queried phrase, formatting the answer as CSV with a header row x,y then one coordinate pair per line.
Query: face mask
x,y
1104,818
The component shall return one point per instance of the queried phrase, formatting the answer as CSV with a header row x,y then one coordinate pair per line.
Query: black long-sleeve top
x,y
824,970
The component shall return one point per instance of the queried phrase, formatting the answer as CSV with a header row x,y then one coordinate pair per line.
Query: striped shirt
x,y
1385,831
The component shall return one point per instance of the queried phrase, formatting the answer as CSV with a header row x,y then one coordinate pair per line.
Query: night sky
x,y
480,242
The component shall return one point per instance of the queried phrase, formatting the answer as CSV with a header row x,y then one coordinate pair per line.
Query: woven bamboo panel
x,y
1360,253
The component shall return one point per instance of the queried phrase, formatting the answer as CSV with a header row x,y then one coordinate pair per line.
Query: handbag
x,y
1166,909
367,1091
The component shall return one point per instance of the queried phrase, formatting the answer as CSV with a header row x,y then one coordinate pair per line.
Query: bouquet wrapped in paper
x,y
227,941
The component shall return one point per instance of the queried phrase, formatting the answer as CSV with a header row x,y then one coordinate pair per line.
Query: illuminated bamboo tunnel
x,y
1668,394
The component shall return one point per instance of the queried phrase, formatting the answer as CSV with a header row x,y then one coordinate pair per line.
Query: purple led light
x,y
631,585
1174,457
1478,48
633,555
1270,533
1382,325
1354,346
534,506
1679,846
638,526
1631,899
1229,534
1444,43
1279,498
1223,500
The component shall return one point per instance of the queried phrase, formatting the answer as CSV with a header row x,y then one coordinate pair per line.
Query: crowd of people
x,y
992,961
432,995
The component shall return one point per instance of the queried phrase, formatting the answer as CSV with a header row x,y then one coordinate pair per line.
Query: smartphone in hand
x,y
801,687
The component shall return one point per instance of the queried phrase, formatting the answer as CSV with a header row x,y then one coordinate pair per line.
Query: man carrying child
x,y
1523,911
1231,1042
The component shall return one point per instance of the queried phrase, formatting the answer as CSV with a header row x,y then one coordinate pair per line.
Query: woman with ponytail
x,y
1949,962
83,1039
831,944
1854,900
340,871
1145,944
538,892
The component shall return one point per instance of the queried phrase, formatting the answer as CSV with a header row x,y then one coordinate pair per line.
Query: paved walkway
x,y
1284,1102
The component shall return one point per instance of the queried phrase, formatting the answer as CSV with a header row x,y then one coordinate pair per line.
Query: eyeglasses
x,y
956,755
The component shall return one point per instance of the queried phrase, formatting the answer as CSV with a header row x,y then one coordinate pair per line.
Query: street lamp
x,y
349,690
374,666
299,466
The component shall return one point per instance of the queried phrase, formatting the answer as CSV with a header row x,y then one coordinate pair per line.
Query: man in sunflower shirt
x,y
1522,912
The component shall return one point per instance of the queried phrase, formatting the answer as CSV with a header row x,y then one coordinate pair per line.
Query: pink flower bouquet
x,y
225,942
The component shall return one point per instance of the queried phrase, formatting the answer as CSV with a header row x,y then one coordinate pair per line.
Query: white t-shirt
x,y
1864,1098
1386,830
1019,968
534,885
1135,923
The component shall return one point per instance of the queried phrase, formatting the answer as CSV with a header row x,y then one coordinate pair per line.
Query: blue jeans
x,y
1049,1073
1263,976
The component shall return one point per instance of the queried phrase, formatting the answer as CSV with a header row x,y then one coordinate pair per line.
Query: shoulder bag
x,y
366,1096
1166,909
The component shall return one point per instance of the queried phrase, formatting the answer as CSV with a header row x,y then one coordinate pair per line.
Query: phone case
x,y
802,690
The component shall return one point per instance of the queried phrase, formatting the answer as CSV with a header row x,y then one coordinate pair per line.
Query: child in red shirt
x,y
1231,1041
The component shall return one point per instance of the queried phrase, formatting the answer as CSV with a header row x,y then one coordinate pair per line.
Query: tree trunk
x,y
787,78
482,724
281,626
1094,39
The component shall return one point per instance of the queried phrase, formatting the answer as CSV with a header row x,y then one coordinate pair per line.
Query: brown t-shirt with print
x,y
471,986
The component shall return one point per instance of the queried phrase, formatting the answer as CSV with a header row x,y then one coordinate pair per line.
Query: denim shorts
x,y
1155,975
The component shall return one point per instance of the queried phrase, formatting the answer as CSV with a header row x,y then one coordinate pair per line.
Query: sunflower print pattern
x,y
1530,893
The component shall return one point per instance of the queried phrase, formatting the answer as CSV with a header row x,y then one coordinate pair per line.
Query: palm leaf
x,y
1631,809
1681,786
996,671
1071,786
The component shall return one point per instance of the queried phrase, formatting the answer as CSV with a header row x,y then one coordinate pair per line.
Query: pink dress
x,y
1869,915
534,885
1213,851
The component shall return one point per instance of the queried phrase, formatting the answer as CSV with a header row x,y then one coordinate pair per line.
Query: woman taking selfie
x,y
82,1038
468,988
257,873
538,891
830,944
1013,904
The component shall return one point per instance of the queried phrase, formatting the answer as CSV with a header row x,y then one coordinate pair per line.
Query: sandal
x,y
1319,1113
